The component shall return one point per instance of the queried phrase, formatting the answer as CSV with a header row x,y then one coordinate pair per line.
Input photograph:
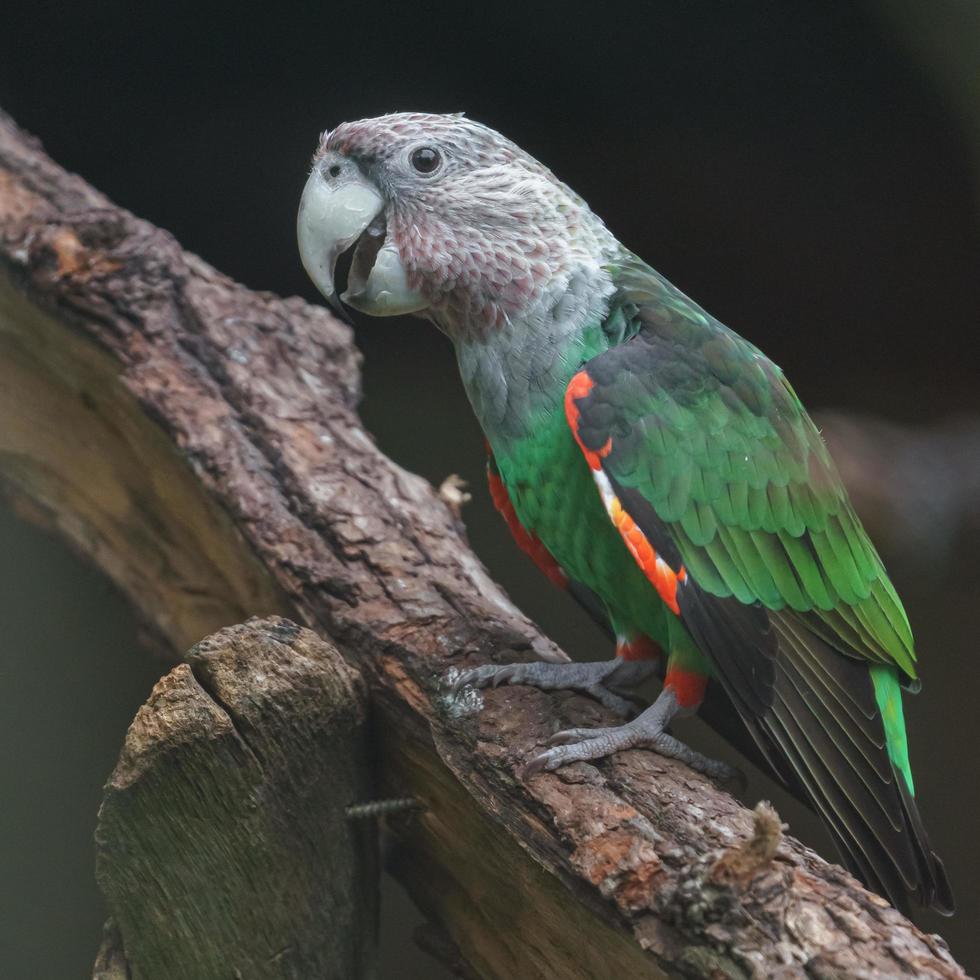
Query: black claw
x,y
536,765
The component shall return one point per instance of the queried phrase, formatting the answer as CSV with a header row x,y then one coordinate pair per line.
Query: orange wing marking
x,y
663,578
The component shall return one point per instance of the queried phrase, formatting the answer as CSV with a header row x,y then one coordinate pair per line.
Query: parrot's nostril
x,y
334,170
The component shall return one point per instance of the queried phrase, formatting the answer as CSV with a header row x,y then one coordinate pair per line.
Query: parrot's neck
x,y
517,371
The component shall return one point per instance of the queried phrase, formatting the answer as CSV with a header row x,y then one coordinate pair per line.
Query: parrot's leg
x,y
606,681
682,693
645,731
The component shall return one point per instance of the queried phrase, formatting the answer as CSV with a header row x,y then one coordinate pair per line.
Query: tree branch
x,y
199,441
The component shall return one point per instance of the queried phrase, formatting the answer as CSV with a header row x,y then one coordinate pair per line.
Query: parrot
x,y
655,465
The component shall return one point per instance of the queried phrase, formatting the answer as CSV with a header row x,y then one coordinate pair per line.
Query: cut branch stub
x,y
223,844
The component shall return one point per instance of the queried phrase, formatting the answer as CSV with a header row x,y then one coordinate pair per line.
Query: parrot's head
x,y
446,219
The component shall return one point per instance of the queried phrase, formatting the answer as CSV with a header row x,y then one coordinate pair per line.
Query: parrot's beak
x,y
336,213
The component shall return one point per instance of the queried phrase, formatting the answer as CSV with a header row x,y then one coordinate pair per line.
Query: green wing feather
x,y
716,441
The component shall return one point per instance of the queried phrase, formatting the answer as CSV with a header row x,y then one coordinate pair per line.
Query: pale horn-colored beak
x,y
335,212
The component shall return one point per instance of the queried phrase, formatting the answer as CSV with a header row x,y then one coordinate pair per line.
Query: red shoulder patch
x,y
580,385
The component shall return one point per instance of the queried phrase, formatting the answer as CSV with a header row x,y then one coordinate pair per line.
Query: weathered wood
x,y
223,844
245,404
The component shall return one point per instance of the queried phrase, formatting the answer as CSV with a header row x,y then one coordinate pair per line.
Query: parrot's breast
x,y
554,496
516,379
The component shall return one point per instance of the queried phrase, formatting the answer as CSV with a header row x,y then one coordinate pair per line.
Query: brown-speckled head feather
x,y
488,232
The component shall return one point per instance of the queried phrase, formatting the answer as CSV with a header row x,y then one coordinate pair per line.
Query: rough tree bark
x,y
199,442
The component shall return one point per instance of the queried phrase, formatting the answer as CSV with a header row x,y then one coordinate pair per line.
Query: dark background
x,y
806,171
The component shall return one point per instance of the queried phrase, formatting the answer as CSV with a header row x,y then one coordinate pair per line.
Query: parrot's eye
x,y
425,159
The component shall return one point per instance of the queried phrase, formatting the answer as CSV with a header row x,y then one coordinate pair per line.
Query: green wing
x,y
711,435
710,453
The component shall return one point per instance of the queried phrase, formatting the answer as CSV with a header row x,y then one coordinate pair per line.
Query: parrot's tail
x,y
934,890
830,724
875,822
861,851
815,715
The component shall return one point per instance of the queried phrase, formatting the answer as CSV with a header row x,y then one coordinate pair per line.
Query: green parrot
x,y
654,464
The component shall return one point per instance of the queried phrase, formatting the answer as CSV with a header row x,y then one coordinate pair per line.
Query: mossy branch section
x,y
223,845
229,475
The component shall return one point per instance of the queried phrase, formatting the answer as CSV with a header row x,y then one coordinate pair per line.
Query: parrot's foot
x,y
646,731
607,681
